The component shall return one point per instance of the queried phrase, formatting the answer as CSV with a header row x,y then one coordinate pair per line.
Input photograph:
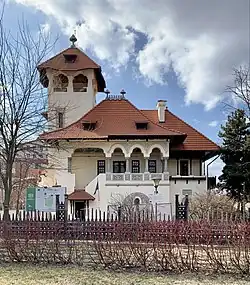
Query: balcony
x,y
137,177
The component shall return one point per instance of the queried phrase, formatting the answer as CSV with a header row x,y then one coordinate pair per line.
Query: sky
x,y
180,51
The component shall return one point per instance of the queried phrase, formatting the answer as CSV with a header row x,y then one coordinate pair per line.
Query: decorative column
x,y
127,164
108,160
165,164
108,171
146,164
70,84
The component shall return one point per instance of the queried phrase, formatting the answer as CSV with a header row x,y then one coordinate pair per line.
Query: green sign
x,y
31,199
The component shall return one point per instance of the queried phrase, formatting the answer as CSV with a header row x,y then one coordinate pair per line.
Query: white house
x,y
113,149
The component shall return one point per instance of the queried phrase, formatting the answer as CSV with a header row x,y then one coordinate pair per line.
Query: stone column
x,y
70,84
165,164
127,164
108,160
146,164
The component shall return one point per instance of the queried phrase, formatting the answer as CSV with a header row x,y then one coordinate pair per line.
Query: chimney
x,y
161,107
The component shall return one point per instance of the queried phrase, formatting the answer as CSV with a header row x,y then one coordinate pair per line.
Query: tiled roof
x,y
115,118
80,195
194,140
58,62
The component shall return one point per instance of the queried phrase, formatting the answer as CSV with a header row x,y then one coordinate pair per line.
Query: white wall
x,y
172,166
181,184
84,166
104,197
76,104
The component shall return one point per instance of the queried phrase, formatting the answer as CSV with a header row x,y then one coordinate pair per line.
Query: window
x,y
135,166
70,58
141,125
80,83
152,166
119,166
60,83
60,119
137,201
184,168
89,126
100,166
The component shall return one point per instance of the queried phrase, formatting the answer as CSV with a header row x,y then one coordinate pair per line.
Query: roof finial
x,y
73,39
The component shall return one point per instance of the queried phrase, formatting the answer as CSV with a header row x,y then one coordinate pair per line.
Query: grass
x,y
23,274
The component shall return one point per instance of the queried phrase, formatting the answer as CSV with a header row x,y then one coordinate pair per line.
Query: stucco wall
x,y
84,166
182,185
76,104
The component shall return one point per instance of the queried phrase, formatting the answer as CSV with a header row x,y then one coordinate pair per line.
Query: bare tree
x,y
240,89
22,99
129,205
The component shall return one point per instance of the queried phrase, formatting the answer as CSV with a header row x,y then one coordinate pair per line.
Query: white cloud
x,y
201,41
213,124
45,29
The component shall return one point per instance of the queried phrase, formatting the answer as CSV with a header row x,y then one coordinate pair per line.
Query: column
x,y
108,160
127,164
146,164
165,164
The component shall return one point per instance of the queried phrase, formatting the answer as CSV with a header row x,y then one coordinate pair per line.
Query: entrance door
x,y
80,209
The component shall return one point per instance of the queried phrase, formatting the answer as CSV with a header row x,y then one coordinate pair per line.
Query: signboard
x,y
31,199
44,198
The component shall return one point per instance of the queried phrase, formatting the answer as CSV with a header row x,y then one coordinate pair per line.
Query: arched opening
x,y
80,83
118,160
137,201
61,83
137,161
155,162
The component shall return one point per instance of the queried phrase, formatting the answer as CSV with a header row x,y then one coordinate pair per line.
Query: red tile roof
x,y
80,195
194,141
117,118
58,61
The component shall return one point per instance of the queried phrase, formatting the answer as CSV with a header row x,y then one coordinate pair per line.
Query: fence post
x,y
186,208
176,206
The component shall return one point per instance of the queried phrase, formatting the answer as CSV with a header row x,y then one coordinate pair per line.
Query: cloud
x,y
45,29
213,124
201,41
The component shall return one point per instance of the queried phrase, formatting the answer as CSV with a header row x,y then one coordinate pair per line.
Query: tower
x,y
72,80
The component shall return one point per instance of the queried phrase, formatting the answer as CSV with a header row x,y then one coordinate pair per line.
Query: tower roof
x,y
71,59
81,61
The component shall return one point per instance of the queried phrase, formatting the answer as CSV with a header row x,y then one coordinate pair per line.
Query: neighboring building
x,y
113,148
27,170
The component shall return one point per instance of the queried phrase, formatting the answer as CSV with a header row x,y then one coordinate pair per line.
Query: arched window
x,y
60,83
80,83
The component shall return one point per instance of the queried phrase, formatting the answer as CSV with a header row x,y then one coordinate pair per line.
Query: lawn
x,y
51,275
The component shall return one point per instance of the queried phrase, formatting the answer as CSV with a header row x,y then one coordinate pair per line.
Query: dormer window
x,y
141,125
70,58
89,126
80,83
60,83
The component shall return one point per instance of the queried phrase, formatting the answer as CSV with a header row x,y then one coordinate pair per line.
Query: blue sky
x,y
181,52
